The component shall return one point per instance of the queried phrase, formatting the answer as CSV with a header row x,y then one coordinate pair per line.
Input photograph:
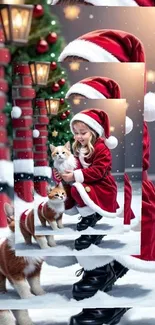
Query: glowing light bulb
x,y
18,22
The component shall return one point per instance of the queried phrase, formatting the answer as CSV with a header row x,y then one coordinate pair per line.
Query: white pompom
x,y
36,133
128,125
16,112
149,107
111,142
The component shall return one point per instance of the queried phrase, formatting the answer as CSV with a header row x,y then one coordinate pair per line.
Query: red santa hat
x,y
108,45
97,120
100,88
117,3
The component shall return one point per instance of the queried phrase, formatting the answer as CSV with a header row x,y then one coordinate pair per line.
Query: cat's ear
x,y
67,145
52,147
60,185
48,189
8,209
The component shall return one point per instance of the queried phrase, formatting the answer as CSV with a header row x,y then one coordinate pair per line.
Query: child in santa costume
x,y
94,190
108,3
99,274
101,88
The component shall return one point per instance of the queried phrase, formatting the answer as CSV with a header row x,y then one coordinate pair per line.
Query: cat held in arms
x,y
22,272
8,317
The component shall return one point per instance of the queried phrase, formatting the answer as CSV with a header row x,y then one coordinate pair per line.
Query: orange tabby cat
x,y
53,209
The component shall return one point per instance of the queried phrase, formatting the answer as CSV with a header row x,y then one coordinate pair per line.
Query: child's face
x,y
82,133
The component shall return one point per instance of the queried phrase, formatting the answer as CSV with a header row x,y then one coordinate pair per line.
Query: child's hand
x,y
68,176
56,174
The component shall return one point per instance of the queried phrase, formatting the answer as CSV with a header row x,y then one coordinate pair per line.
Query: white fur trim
x,y
6,172
54,2
84,90
78,175
71,212
128,125
85,211
112,3
136,264
149,107
23,166
89,121
126,228
86,199
111,142
43,171
92,262
88,51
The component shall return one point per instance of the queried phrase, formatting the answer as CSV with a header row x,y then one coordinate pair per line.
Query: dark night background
x,y
137,20
116,111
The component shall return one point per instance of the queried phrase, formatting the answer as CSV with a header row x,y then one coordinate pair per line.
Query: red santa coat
x,y
94,181
128,213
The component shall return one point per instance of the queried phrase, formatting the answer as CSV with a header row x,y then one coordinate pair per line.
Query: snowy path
x,y
135,289
124,244
104,226
134,316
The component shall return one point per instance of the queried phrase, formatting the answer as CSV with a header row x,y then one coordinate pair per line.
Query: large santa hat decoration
x,y
100,88
116,3
97,120
108,45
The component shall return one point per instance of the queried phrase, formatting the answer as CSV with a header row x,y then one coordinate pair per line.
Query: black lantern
x,y
39,72
52,106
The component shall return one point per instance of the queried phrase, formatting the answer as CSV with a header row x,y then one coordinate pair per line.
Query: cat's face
x,y
57,194
60,153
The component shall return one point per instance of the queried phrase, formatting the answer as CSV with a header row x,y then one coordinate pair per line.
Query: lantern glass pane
x,y
42,70
5,22
20,24
54,106
32,70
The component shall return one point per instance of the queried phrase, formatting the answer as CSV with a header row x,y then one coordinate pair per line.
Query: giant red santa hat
x,y
117,3
108,45
99,88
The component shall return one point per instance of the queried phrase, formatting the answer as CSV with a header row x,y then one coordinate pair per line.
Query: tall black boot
x,y
119,269
98,316
101,278
85,241
89,221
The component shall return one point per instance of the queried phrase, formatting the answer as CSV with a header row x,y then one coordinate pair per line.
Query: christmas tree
x,y
45,44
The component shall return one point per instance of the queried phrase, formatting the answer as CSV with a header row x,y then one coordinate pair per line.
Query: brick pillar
x,y
42,171
6,169
23,95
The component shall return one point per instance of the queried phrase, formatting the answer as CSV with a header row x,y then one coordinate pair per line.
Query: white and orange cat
x,y
8,317
63,158
22,272
52,211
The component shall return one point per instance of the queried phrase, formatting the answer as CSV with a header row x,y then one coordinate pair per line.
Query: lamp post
x,y
6,178
42,171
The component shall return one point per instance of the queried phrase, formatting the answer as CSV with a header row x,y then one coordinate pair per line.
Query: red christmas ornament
x,y
67,112
38,11
61,82
42,46
63,116
62,101
53,66
52,38
55,87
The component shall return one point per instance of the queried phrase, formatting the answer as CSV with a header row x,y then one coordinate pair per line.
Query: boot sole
x,y
98,240
85,295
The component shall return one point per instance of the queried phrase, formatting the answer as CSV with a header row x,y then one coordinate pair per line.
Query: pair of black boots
x,y
89,221
98,316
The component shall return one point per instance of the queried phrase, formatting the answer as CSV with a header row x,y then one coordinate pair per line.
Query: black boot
x,y
101,278
85,241
119,269
98,316
89,221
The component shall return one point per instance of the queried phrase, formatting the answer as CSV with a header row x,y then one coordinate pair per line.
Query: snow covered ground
x,y
104,226
135,289
124,244
134,316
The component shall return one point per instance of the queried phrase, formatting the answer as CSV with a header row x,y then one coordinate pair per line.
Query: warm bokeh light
x,y
71,12
74,66
150,76
76,101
